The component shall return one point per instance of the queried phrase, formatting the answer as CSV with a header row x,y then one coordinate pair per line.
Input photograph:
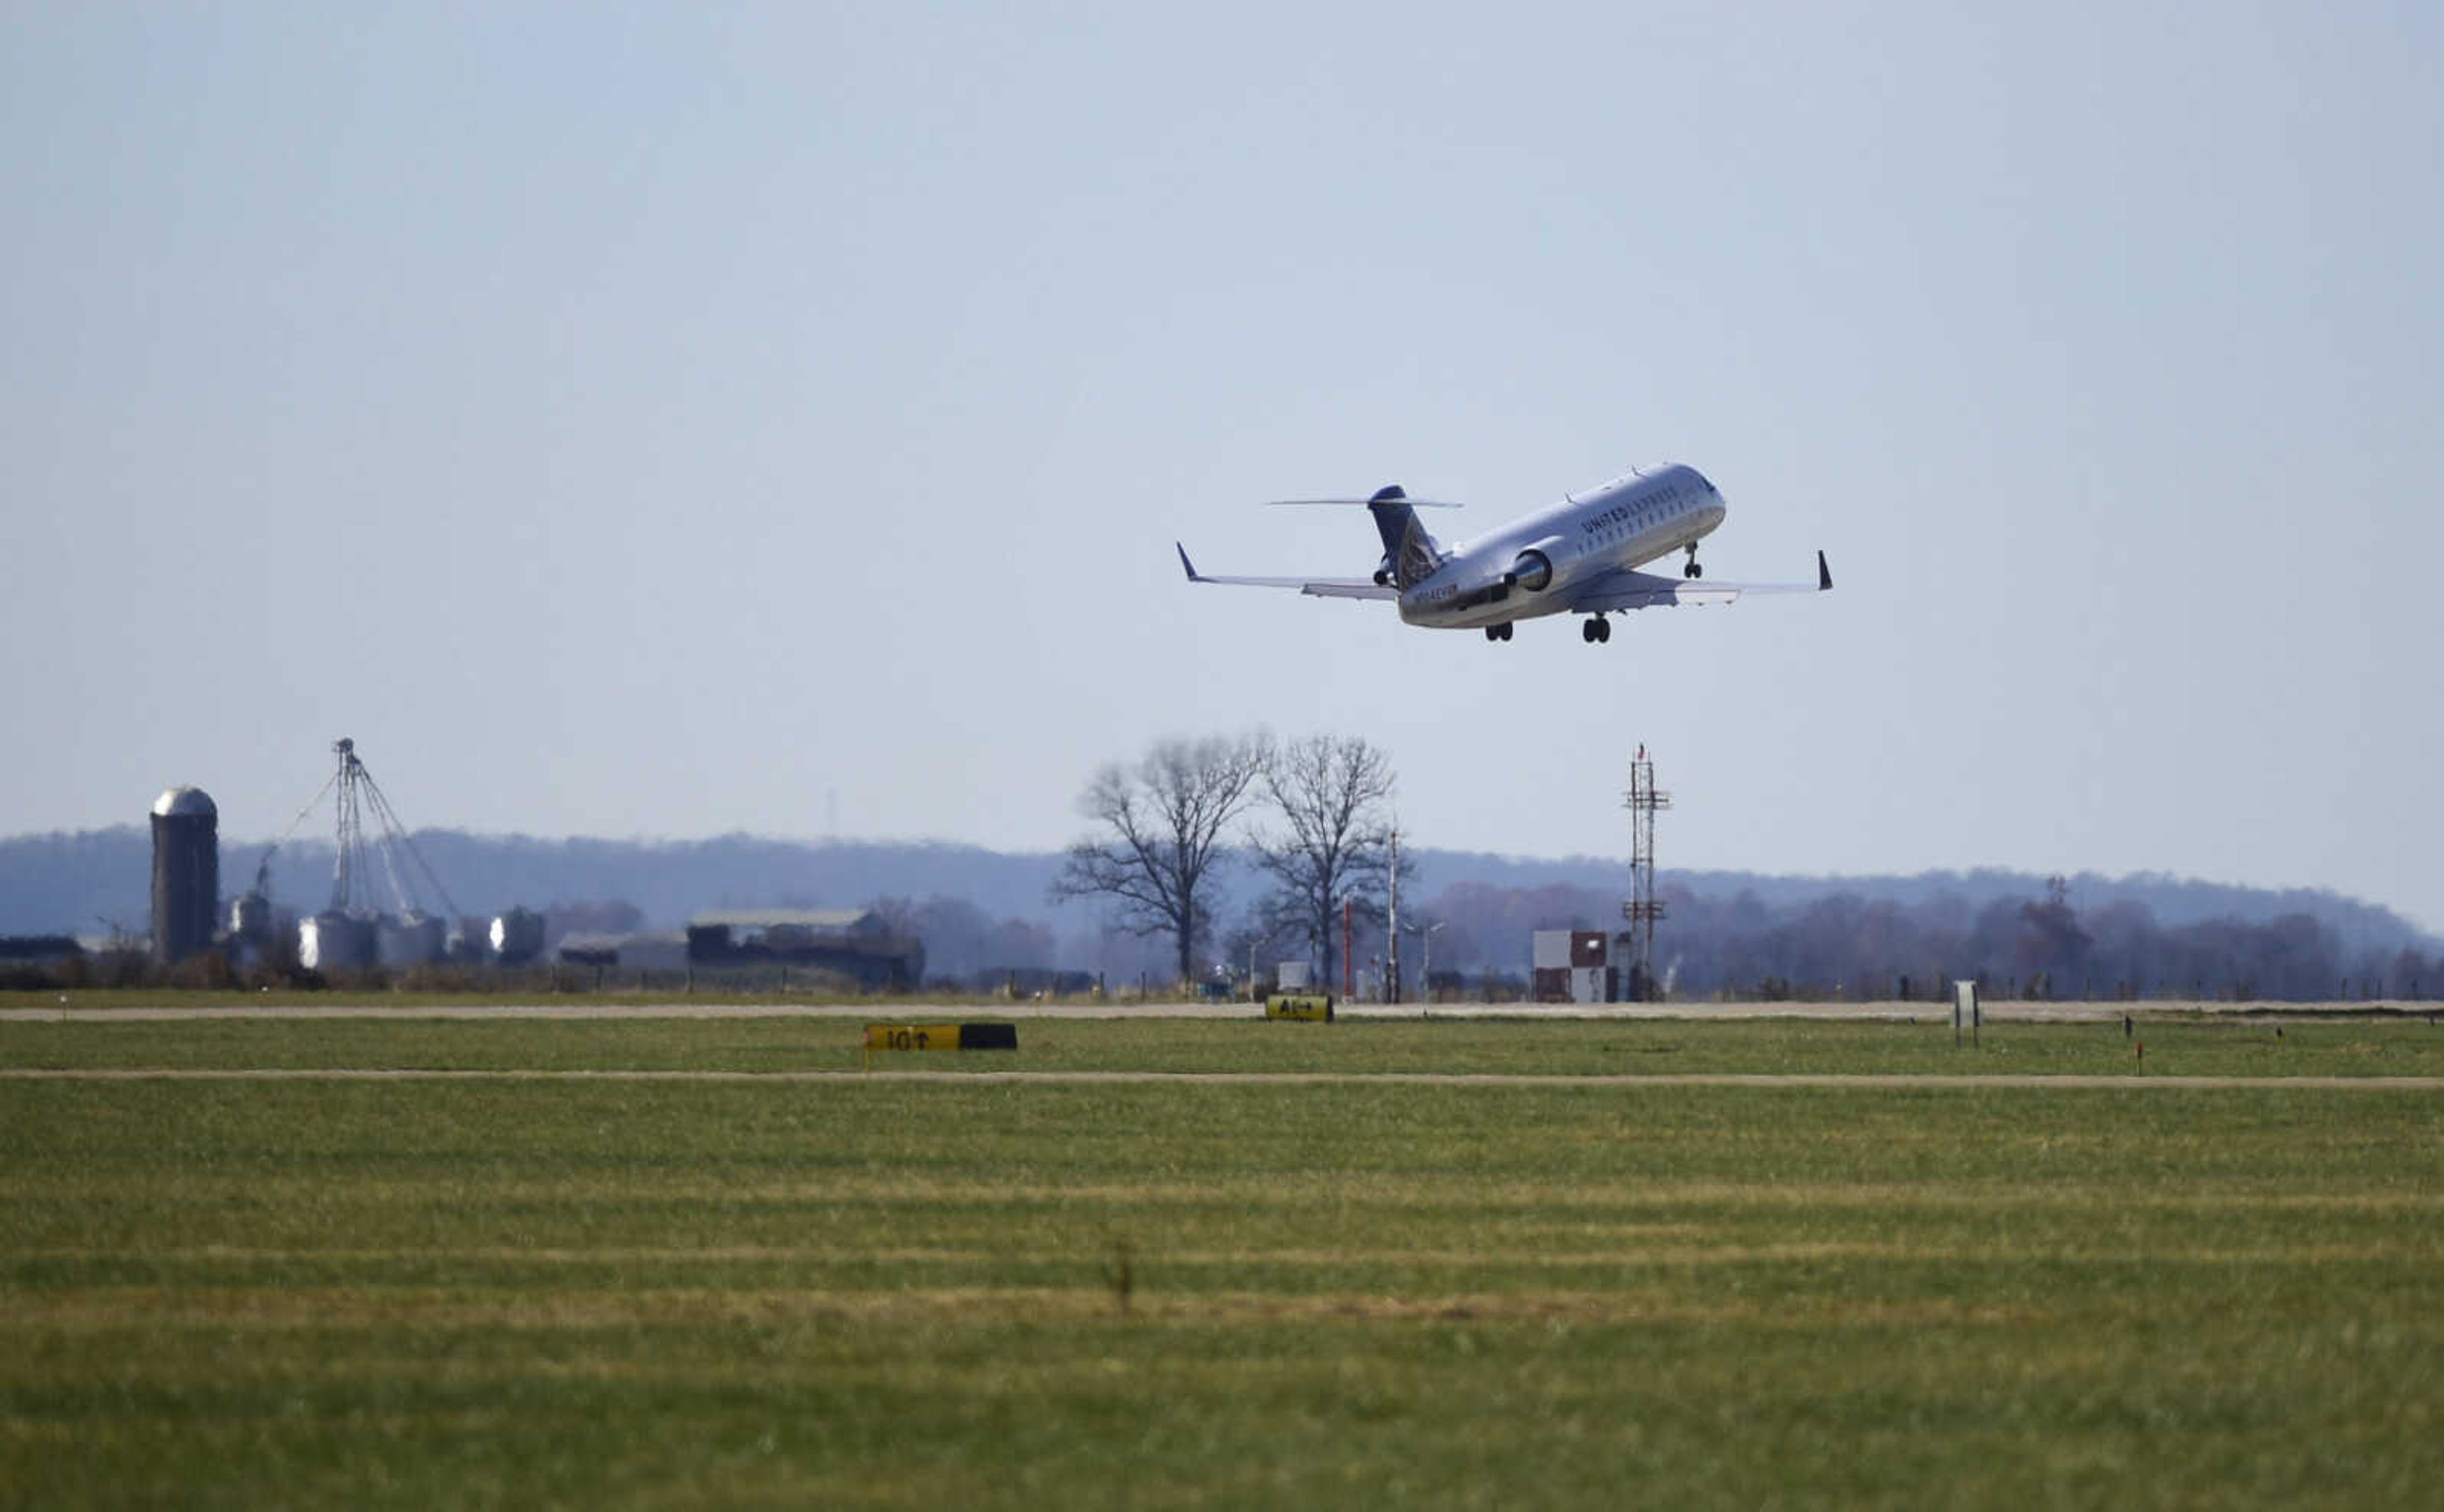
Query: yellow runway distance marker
x,y
941,1036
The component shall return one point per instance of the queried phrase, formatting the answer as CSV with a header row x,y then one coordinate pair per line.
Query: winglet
x,y
1824,573
1184,564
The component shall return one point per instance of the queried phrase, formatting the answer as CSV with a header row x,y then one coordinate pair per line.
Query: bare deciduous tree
x,y
1158,837
1332,794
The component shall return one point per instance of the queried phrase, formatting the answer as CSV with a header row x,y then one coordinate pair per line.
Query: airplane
x,y
1577,556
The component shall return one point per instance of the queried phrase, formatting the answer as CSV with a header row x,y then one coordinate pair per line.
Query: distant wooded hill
x,y
1728,928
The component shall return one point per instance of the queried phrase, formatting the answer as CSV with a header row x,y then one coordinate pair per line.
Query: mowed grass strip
x,y
2179,1046
891,1294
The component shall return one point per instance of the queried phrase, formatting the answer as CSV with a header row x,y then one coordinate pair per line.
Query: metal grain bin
x,y
331,939
517,936
407,939
249,917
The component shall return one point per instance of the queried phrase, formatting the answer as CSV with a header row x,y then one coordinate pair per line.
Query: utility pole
x,y
1348,966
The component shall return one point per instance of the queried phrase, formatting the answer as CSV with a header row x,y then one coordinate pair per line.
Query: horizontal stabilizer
x,y
1312,588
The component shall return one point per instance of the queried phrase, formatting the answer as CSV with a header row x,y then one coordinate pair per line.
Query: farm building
x,y
856,942
645,951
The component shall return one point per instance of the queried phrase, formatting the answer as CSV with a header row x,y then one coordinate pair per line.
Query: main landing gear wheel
x,y
1501,632
1596,628
1692,570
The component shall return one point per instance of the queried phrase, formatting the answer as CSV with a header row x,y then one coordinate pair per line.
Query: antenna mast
x,y
1643,907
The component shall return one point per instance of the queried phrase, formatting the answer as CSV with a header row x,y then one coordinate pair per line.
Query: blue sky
x,y
633,421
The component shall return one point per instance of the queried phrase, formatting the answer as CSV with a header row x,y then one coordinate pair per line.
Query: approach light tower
x,y
1643,907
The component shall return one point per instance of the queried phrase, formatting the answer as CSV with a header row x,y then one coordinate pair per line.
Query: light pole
x,y
1392,931
1425,933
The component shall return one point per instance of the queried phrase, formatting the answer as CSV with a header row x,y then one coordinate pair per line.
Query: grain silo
x,y
186,873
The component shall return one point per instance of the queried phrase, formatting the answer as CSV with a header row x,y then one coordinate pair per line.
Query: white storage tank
x,y
407,939
517,936
249,918
332,939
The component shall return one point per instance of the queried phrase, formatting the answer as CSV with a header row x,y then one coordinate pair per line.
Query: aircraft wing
x,y
1625,589
1314,587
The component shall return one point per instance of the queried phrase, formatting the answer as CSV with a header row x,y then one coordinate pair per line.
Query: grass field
x,y
2174,1047
860,1292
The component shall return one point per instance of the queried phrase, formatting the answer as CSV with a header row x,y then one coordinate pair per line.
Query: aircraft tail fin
x,y
1410,551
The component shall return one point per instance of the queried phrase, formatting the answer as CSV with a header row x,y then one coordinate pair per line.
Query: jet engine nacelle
x,y
1532,569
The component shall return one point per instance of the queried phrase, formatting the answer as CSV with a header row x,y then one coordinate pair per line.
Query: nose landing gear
x,y
1692,569
1594,628
1500,632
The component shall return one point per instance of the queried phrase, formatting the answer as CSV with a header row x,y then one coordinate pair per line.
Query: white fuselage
x,y
1523,570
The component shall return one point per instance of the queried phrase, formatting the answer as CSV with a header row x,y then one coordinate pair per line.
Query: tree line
x,y
2044,946
1312,819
